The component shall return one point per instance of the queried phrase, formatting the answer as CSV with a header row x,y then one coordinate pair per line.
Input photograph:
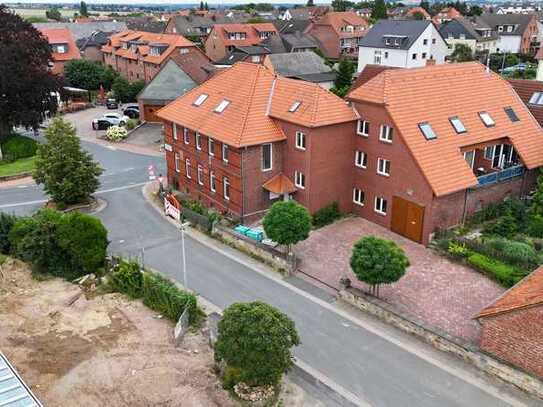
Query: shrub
x,y
116,133
131,124
505,226
163,296
194,206
535,226
518,254
127,278
231,377
458,249
6,224
17,147
326,215
287,223
256,338
504,274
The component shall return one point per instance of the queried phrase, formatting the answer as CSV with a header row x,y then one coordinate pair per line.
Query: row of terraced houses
x,y
414,150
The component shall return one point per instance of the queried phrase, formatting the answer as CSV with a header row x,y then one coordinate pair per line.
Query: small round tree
x,y
68,173
256,338
377,261
287,223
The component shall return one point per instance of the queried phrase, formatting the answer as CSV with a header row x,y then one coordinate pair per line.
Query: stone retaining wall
x,y
444,341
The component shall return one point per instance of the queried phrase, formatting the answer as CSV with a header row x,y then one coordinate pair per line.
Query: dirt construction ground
x,y
104,351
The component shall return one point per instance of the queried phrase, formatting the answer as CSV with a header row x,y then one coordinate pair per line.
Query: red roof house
x,y
63,46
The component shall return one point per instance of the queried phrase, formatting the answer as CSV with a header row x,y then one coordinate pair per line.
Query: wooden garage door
x,y
149,113
407,218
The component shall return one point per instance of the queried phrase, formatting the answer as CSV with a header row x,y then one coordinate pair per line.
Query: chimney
x,y
430,62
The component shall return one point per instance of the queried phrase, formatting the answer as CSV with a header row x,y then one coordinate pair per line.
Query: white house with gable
x,y
402,44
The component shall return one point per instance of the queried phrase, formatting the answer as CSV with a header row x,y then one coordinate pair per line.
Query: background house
x,y
518,33
63,46
473,32
402,43
511,325
306,66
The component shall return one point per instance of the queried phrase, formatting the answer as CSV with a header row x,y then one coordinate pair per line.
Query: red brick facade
x,y
516,337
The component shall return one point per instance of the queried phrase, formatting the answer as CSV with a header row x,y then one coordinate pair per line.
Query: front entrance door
x,y
407,218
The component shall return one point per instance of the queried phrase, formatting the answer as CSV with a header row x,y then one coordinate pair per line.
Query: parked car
x,y
112,104
113,119
518,67
132,111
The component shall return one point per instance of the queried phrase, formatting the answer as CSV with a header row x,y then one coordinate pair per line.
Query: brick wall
x,y
92,54
328,39
214,46
516,337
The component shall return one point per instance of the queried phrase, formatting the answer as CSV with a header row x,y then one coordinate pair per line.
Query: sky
x,y
139,2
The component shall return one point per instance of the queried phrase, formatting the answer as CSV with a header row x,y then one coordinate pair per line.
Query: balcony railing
x,y
500,176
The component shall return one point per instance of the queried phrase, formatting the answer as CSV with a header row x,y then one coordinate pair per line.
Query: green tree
x,y
201,5
26,84
126,91
537,198
256,338
344,77
379,10
341,5
206,7
418,16
85,74
68,173
83,11
475,10
425,5
36,19
462,53
310,3
377,261
6,224
53,14
287,223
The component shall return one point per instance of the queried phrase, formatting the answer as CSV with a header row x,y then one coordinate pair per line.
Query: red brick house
x,y
339,33
224,38
512,327
63,47
446,14
139,55
436,144
246,138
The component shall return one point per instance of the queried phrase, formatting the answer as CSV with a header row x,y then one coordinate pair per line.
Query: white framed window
x,y
358,196
377,57
294,106
177,158
363,128
212,185
187,168
200,175
300,140
489,152
200,99
414,56
427,131
186,135
61,49
360,159
211,146
380,205
385,133
174,131
299,179
226,188
469,156
457,124
383,167
221,106
425,41
487,120
225,152
198,141
267,157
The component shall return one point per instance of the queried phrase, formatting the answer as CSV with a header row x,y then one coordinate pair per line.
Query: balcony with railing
x,y
501,175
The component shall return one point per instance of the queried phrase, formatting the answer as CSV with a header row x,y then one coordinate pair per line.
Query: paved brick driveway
x,y
434,290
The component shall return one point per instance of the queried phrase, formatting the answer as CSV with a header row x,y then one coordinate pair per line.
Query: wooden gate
x,y
149,113
407,218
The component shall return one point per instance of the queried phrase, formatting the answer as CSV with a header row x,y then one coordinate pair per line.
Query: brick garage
x,y
512,327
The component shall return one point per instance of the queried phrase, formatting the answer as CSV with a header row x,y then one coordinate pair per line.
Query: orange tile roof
x,y
526,293
251,31
525,88
280,184
433,94
257,97
339,19
173,41
62,36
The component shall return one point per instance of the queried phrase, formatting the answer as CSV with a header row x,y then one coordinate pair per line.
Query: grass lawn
x,y
3,258
17,167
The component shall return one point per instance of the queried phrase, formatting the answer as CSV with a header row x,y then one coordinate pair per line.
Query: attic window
x,y
427,131
511,114
294,106
223,105
457,124
487,120
536,99
201,99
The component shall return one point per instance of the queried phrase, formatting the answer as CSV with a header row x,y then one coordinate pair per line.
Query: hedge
x,y
127,278
18,146
163,296
501,272
326,215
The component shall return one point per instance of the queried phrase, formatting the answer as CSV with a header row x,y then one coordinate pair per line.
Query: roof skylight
x,y
536,99
427,131
201,99
511,114
221,106
487,120
294,106
457,124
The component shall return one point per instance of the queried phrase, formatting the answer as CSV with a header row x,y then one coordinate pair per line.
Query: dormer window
x,y
223,105
536,99
294,106
457,124
201,99
486,119
427,131
60,49
387,41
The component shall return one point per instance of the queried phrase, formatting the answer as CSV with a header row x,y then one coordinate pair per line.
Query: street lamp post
x,y
184,261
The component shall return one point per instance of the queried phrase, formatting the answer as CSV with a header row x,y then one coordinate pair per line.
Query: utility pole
x,y
184,261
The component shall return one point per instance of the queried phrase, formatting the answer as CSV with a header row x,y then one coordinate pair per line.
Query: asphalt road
x,y
381,366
